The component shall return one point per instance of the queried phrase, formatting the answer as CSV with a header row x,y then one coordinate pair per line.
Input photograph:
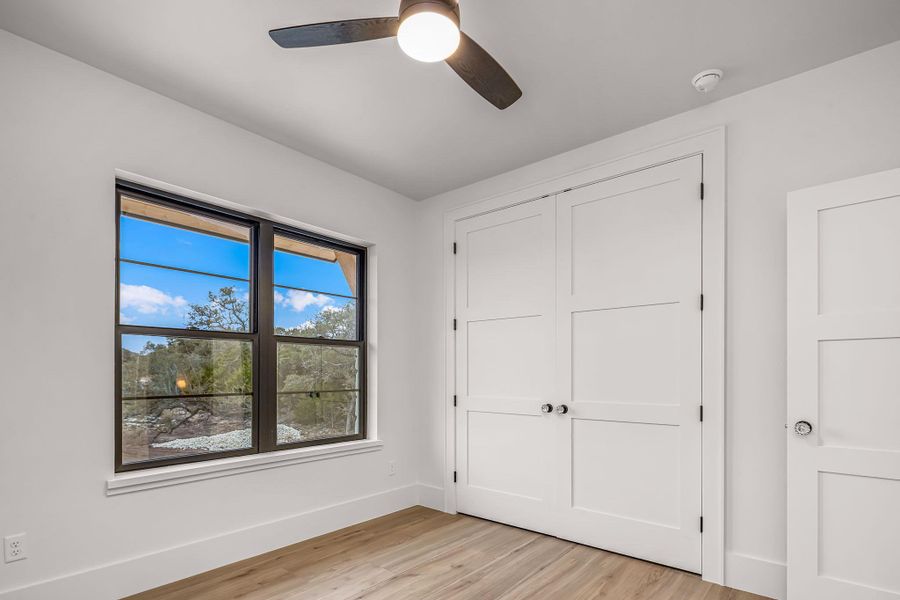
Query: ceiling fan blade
x,y
335,32
484,74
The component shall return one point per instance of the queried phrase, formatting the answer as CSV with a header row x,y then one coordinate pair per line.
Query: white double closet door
x,y
589,302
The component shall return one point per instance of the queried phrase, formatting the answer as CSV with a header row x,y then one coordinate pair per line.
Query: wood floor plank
x,y
484,536
421,554
435,571
580,574
492,580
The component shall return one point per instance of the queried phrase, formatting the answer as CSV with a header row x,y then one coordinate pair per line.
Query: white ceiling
x,y
588,68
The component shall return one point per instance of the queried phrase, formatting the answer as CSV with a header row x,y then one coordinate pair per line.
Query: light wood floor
x,y
421,554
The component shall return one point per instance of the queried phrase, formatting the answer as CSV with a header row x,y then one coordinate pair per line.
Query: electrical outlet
x,y
392,467
14,547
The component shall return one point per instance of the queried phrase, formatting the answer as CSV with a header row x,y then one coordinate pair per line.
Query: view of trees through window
x,y
192,391
317,384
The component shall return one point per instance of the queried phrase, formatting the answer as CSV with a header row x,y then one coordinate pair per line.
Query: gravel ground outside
x,y
230,440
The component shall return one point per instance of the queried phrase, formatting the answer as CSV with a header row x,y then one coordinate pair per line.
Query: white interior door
x,y
505,357
844,382
629,326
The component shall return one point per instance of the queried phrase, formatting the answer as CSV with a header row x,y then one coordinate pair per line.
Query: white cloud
x,y
331,308
148,300
300,301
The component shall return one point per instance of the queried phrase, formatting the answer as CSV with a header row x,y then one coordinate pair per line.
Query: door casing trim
x,y
711,145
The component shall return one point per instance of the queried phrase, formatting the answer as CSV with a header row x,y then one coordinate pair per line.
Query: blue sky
x,y
162,297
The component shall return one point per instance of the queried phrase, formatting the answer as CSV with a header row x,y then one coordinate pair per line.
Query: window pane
x,y
309,314
161,295
323,415
184,396
155,366
169,427
314,268
164,298
165,236
315,367
318,392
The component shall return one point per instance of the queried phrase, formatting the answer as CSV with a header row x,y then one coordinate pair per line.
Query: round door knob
x,y
562,409
546,408
803,428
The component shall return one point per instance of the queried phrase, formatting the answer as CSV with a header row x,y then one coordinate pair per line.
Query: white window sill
x,y
125,483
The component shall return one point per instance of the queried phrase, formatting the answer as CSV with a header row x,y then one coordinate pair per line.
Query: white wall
x,y
64,128
835,122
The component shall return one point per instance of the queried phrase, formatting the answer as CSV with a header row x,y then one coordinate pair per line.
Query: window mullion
x,y
265,323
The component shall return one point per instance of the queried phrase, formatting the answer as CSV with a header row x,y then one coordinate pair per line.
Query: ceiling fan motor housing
x,y
448,8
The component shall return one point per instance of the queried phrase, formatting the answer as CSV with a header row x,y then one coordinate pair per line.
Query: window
x,y
234,334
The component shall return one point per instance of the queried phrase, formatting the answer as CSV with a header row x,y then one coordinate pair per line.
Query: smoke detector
x,y
706,81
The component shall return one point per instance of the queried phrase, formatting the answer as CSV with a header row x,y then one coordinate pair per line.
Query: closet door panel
x,y
505,357
628,454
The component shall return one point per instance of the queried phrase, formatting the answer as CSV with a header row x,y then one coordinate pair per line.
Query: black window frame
x,y
261,333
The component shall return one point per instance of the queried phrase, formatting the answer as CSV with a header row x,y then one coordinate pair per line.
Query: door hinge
x,y
701,412
701,301
701,524
454,324
454,476
702,190
454,399
454,247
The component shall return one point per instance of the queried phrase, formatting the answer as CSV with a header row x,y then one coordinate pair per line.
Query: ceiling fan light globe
x,y
428,36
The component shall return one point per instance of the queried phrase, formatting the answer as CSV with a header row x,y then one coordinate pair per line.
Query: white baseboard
x,y
756,575
431,496
136,574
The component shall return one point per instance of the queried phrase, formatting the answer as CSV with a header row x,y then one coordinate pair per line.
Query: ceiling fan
x,y
427,30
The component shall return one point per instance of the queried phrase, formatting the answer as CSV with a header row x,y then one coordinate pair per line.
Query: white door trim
x,y
711,145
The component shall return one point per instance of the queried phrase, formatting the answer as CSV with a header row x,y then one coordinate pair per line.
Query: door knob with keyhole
x,y
562,409
803,428
546,408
